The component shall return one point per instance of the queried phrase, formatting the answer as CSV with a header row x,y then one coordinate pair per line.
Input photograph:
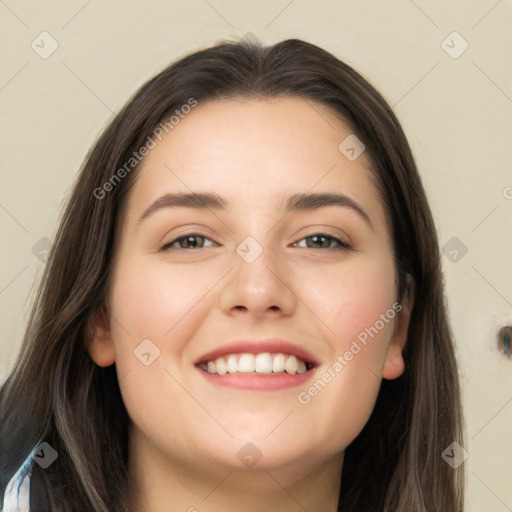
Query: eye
x,y
190,241
317,241
324,241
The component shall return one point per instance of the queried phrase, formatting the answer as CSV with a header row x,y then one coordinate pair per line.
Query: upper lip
x,y
274,346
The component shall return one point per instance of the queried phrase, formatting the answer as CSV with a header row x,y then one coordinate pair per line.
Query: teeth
x,y
291,365
246,363
278,363
220,366
232,364
265,363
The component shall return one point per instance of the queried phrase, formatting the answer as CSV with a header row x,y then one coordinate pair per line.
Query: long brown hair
x,y
55,392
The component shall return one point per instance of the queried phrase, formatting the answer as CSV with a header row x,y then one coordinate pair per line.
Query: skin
x,y
186,432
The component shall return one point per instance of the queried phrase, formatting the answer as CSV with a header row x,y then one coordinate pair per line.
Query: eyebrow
x,y
294,202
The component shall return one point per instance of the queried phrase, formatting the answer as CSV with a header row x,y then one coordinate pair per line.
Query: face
x,y
218,291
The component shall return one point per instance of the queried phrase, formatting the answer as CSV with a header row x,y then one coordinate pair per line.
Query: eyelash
x,y
342,246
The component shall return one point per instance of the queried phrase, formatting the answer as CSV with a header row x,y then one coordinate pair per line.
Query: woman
x,y
243,308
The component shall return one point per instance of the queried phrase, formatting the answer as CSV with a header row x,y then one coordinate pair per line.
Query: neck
x,y
159,484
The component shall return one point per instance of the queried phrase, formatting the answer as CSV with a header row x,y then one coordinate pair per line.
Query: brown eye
x,y
323,241
192,241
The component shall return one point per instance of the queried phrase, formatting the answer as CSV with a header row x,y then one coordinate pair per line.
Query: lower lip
x,y
258,382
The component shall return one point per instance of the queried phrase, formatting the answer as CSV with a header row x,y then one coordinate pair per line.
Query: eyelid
x,y
342,243
168,245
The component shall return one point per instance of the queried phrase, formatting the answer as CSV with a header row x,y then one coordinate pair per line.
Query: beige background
x,y
455,111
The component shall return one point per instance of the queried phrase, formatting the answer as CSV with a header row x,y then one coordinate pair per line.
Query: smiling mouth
x,y
264,363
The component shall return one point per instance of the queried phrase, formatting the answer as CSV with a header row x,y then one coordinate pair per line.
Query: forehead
x,y
254,152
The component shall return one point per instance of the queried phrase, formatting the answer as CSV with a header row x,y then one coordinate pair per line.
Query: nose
x,y
258,287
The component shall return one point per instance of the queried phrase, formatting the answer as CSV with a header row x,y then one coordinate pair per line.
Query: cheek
x,y
352,299
150,299
157,303
356,305
164,305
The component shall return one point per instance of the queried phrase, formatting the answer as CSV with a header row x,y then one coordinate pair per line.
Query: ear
x,y
394,365
101,346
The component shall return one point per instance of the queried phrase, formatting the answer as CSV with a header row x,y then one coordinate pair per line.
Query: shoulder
x,y
17,491
27,490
